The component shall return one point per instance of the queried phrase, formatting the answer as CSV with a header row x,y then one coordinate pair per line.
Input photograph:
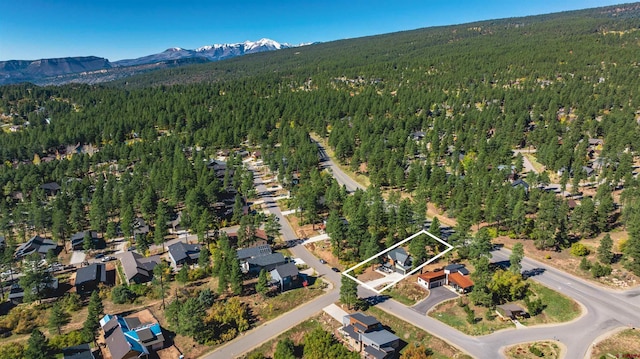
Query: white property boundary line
x,y
346,273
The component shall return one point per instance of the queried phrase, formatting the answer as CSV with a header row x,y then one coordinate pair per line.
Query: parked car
x,y
107,258
322,261
335,269
99,255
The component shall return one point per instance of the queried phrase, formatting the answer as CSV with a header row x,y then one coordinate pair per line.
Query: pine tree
x,y
57,317
348,292
95,312
515,259
604,250
262,286
37,346
183,275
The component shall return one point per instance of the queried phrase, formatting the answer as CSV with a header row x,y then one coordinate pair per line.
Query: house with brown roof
x,y
453,275
432,279
136,268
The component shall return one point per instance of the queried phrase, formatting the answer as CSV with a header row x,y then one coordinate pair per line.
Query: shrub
x,y
534,307
70,339
579,250
71,302
197,274
535,351
598,270
122,294
140,290
585,264
11,350
23,319
471,315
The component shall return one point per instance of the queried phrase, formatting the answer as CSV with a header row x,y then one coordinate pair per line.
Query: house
x,y
454,275
521,183
16,293
456,268
267,262
459,282
77,240
432,279
140,227
182,253
417,136
82,351
131,337
588,171
88,278
36,244
51,188
256,258
136,268
510,311
365,335
399,260
286,275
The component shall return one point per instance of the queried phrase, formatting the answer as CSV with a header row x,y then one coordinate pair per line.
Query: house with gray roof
x,y
77,240
82,351
182,253
267,262
256,258
88,278
366,335
51,188
36,244
399,260
136,268
286,275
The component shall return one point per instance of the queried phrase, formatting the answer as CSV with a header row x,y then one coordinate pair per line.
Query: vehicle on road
x,y
335,269
107,258
322,261
99,255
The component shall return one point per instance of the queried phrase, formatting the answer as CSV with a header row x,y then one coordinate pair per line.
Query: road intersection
x,y
604,310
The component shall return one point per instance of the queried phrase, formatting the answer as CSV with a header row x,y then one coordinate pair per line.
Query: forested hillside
x,y
434,112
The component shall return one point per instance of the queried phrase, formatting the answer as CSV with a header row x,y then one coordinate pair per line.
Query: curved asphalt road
x,y
603,310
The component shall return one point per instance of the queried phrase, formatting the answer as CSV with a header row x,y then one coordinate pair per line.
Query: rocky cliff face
x,y
24,70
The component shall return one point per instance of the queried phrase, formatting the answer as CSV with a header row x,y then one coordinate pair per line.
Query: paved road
x,y
604,309
525,161
255,337
338,174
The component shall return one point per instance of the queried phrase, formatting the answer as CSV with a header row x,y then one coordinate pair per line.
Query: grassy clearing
x,y
454,315
407,292
548,349
410,334
267,309
618,345
296,334
559,309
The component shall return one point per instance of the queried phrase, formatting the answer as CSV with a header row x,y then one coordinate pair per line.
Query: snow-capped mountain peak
x,y
213,52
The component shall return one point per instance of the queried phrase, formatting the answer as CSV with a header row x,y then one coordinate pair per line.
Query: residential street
x,y
604,309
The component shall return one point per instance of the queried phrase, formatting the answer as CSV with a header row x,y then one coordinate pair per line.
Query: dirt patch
x,y
618,345
433,211
303,231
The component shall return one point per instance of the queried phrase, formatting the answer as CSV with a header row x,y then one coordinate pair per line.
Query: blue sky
x,y
117,29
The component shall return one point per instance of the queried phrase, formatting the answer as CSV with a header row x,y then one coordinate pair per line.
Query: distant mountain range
x,y
93,69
